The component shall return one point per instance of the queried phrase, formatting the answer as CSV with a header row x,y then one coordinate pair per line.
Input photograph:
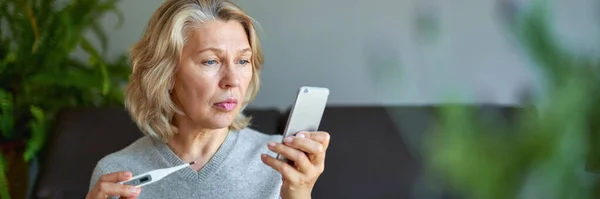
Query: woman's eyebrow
x,y
216,50
245,50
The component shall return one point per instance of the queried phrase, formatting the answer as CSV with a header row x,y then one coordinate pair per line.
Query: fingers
x,y
287,171
298,157
115,177
304,144
306,150
108,185
132,197
114,189
314,143
319,136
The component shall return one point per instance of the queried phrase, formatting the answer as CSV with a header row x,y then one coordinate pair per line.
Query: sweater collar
x,y
209,168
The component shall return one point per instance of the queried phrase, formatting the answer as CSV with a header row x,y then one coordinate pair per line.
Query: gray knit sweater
x,y
235,171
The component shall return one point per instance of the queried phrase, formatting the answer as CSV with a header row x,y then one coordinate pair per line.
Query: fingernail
x,y
271,144
133,190
263,156
127,174
287,139
301,135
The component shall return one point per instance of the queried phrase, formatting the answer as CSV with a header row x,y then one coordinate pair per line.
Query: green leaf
x,y
45,9
105,79
38,132
6,114
99,32
89,48
535,33
71,78
69,36
96,59
10,58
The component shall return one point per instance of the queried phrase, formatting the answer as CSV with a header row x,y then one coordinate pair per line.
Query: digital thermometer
x,y
153,176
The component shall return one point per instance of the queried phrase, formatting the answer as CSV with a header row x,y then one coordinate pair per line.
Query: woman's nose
x,y
230,77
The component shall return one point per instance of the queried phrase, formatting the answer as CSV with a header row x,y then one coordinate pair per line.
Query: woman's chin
x,y
222,120
214,119
222,124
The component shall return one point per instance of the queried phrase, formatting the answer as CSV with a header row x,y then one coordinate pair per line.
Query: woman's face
x,y
214,73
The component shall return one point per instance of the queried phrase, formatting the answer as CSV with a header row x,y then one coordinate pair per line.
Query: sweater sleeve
x,y
98,171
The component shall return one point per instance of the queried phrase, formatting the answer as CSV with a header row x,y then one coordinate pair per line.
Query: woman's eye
x,y
210,62
243,62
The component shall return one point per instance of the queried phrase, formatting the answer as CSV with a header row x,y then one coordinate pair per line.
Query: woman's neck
x,y
197,145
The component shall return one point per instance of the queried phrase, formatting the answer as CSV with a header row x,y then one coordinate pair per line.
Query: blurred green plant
x,y
553,151
39,76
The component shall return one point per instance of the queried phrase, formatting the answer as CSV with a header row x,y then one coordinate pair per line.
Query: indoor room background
x,y
391,67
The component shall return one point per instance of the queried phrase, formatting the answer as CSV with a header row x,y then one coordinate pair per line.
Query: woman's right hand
x,y
108,185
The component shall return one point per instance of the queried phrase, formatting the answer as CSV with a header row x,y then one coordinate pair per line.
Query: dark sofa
x,y
374,150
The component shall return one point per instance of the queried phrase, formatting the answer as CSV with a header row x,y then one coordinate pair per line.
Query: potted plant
x,y
39,76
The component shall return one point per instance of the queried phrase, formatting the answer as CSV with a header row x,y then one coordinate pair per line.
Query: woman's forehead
x,y
218,35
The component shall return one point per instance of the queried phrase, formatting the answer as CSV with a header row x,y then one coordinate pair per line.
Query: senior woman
x,y
194,70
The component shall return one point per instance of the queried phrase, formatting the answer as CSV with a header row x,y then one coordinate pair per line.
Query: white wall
x,y
367,52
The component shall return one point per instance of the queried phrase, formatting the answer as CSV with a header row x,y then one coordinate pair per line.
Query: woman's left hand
x,y
307,152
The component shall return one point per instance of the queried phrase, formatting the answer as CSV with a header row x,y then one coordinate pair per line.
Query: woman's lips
x,y
226,105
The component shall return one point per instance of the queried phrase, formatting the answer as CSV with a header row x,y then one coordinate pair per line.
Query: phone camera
x,y
305,90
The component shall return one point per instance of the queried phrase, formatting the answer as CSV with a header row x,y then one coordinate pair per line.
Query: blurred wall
x,y
374,52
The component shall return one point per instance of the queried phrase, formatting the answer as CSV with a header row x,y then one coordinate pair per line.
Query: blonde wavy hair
x,y
156,55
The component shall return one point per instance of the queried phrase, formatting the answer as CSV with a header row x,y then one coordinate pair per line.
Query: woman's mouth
x,y
226,105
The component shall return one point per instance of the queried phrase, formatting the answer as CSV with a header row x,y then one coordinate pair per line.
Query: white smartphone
x,y
307,111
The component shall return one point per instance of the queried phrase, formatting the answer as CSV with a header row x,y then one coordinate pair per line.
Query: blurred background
x,y
522,72
391,51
